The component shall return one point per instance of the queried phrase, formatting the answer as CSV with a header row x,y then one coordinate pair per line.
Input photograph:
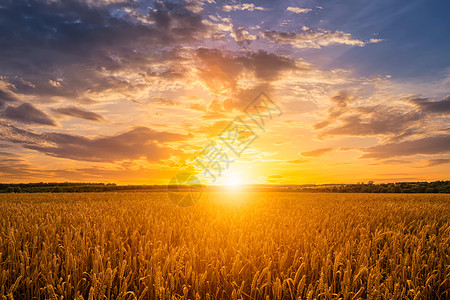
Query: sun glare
x,y
233,180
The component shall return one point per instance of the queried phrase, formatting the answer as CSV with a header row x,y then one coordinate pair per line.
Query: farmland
x,y
248,245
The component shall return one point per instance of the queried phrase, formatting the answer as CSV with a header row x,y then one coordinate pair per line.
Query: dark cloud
x,y
268,66
240,98
428,146
317,152
73,42
221,71
28,114
7,154
6,97
75,30
79,113
383,121
10,133
340,101
426,105
369,120
243,37
140,142
437,162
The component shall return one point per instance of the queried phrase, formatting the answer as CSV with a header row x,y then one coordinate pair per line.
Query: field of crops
x,y
228,245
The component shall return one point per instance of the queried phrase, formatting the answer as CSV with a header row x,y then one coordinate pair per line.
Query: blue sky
x,y
415,37
415,34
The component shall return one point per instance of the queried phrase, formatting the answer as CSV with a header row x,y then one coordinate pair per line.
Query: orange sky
x,y
117,94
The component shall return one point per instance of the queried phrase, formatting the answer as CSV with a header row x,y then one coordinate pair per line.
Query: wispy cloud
x,y
298,10
427,146
139,142
425,104
437,162
243,6
317,152
347,117
6,97
242,36
221,72
314,39
79,113
28,114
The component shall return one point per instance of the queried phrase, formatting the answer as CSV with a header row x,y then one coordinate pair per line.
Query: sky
x,y
133,92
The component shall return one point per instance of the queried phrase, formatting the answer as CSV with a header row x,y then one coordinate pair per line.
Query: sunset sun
x,y
233,180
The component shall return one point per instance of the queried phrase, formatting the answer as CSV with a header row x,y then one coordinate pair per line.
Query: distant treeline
x,y
398,187
370,187
69,187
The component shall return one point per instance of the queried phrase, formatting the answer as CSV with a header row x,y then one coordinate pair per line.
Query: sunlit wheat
x,y
268,246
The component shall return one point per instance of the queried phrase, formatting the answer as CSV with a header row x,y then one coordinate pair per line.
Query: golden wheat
x,y
227,246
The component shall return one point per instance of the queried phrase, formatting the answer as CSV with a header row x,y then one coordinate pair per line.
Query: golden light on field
x,y
239,245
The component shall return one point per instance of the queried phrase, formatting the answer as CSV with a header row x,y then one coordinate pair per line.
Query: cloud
x,y
54,83
313,39
243,96
242,36
379,121
28,114
6,97
7,154
78,47
268,66
139,142
12,134
221,72
352,119
426,146
297,161
317,152
79,113
17,168
20,170
437,162
298,10
391,162
426,105
340,101
299,106
243,6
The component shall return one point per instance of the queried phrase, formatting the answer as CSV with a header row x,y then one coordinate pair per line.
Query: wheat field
x,y
227,246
